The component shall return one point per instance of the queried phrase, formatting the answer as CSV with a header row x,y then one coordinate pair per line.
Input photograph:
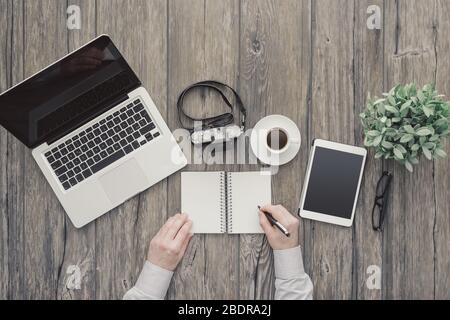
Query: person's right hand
x,y
170,243
276,238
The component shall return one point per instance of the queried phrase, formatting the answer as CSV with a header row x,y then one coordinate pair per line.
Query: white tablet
x,y
332,182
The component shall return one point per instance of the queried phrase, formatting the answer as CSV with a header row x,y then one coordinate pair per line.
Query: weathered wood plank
x,y
152,70
15,163
43,215
441,169
333,118
253,79
138,28
275,62
408,244
77,278
5,68
368,62
303,120
203,44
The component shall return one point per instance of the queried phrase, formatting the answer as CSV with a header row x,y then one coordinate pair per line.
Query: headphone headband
x,y
216,121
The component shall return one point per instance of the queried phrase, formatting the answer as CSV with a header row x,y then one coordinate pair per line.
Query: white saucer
x,y
258,140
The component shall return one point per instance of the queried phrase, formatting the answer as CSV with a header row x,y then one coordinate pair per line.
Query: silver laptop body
x,y
94,161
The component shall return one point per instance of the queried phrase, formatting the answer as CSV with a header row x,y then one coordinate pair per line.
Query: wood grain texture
x,y
333,118
256,18
275,62
314,61
4,75
441,230
409,251
77,274
15,162
203,45
304,123
150,63
122,236
368,73
44,217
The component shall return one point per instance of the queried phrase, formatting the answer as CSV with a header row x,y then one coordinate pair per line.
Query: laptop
x,y
93,129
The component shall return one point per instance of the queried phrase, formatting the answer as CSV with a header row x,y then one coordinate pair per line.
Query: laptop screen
x,y
67,94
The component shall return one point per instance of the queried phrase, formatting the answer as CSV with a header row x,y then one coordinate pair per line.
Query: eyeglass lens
x,y
383,184
380,200
377,217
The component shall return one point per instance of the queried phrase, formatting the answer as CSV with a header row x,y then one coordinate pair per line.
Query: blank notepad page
x,y
220,202
248,190
201,199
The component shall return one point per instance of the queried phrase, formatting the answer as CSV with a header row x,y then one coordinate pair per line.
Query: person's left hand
x,y
169,245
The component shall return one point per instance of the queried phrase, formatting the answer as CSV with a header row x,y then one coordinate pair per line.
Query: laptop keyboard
x,y
102,144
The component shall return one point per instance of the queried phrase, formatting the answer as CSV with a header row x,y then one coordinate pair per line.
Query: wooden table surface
x,y
314,61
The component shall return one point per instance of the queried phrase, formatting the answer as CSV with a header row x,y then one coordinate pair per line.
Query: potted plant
x,y
406,124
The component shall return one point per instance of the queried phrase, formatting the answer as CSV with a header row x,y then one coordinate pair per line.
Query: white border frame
x,y
324,217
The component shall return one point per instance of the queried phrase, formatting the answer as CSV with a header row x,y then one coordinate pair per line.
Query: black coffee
x,y
277,139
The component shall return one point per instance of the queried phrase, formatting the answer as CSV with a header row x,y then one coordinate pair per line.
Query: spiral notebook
x,y
224,202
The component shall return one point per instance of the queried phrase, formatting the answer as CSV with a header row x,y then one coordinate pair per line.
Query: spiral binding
x,y
229,195
223,202
226,203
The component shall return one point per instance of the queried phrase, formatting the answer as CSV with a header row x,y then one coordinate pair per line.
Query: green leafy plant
x,y
406,124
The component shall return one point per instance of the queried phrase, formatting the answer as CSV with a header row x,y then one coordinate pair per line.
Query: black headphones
x,y
214,129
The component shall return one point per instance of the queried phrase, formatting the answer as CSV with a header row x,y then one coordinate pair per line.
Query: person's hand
x,y
170,243
276,238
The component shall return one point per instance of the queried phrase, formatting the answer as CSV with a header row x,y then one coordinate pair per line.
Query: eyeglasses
x,y
381,201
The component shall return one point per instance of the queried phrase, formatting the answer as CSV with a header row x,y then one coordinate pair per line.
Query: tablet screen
x,y
333,182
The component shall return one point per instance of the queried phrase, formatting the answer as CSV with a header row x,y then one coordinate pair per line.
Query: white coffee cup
x,y
275,140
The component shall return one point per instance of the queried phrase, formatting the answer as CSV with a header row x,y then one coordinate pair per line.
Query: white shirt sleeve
x,y
152,284
291,281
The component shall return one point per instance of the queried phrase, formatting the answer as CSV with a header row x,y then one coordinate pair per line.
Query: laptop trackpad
x,y
124,182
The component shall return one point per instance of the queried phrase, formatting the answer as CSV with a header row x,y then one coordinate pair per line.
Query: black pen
x,y
275,223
